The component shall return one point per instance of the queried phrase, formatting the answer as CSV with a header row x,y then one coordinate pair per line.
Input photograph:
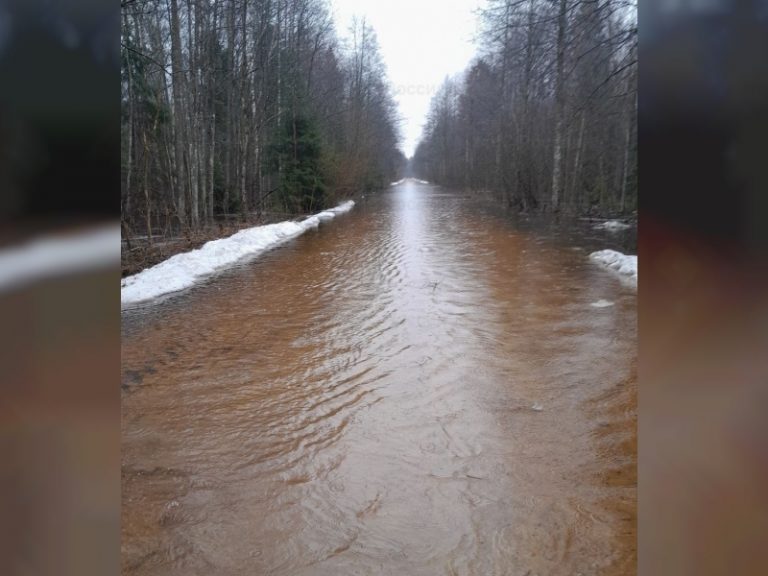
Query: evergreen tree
x,y
298,153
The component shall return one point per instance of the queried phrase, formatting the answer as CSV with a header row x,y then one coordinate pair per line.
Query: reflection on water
x,y
418,388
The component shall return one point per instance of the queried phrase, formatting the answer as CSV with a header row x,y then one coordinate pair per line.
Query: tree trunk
x,y
178,114
211,167
244,127
147,203
627,147
557,156
131,119
575,193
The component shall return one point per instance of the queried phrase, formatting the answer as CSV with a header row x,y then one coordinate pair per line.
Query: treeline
x,y
545,117
245,106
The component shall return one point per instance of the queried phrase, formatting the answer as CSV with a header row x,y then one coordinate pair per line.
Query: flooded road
x,y
418,388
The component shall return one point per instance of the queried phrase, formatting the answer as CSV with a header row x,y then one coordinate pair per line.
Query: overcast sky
x,y
421,42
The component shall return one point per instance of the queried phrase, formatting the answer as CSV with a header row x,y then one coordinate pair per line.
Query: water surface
x,y
420,387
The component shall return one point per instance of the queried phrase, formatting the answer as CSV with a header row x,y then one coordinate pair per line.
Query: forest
x,y
242,109
544,118
256,110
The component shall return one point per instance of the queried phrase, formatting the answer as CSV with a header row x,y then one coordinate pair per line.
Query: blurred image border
x,y
703,291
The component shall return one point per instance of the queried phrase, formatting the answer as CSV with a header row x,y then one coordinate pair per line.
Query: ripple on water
x,y
365,401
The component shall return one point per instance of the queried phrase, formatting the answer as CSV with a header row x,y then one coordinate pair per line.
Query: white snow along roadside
x,y
186,269
623,264
613,225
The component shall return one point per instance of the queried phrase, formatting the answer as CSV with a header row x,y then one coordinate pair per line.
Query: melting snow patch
x,y
613,225
624,265
537,407
601,304
398,182
183,270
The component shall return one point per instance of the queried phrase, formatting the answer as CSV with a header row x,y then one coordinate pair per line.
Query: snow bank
x,y
624,265
398,182
183,270
421,181
613,225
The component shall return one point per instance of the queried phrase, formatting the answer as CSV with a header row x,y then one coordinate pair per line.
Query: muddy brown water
x,y
419,387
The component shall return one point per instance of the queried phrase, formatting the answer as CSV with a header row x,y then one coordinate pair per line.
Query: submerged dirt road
x,y
418,388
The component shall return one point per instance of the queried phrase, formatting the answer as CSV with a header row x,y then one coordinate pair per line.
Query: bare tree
x,y
559,78
215,91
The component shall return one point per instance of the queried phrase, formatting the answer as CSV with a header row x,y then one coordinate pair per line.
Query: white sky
x,y
421,41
